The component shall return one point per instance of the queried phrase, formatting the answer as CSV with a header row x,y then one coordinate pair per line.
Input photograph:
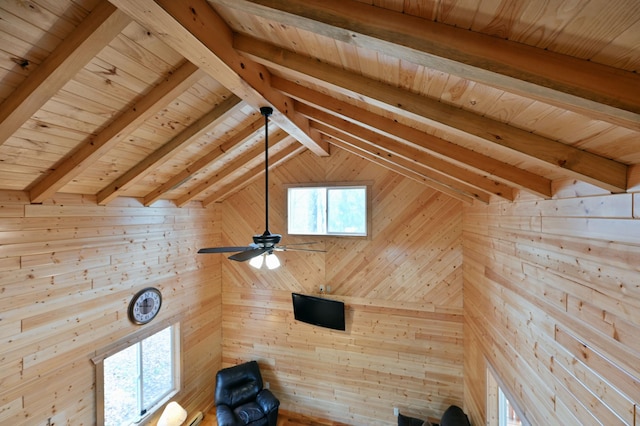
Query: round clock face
x,y
145,305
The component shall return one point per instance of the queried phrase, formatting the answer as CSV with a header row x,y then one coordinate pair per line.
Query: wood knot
x,y
21,62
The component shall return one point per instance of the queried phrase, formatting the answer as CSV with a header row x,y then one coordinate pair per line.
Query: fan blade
x,y
249,254
308,243
286,248
223,249
226,249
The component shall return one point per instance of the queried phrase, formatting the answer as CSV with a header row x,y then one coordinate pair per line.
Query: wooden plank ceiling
x,y
159,99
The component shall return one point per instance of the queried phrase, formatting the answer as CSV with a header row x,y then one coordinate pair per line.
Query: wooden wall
x,y
552,301
68,269
402,288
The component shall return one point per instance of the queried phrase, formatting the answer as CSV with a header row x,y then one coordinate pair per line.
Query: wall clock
x,y
145,305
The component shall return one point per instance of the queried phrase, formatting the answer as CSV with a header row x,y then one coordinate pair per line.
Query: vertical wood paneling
x,y
402,287
551,302
69,269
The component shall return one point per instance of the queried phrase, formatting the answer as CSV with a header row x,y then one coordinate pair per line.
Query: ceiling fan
x,y
265,243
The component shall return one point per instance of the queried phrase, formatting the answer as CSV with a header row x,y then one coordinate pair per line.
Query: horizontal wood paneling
x,y
551,302
69,269
565,305
402,287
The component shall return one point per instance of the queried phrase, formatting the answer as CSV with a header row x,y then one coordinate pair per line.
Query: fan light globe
x,y
256,262
272,261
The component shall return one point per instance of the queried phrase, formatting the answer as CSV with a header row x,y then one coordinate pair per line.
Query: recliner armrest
x,y
267,401
225,415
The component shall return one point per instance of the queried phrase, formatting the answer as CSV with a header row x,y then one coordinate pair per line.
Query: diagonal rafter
x,y
444,149
196,31
230,168
166,151
599,91
202,162
407,156
254,173
96,31
96,146
404,167
585,166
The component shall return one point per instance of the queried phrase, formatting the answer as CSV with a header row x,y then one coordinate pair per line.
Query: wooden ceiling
x,y
159,99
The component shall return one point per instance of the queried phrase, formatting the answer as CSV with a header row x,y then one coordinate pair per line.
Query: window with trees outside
x,y
340,210
135,381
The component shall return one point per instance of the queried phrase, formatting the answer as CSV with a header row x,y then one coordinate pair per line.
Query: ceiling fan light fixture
x,y
270,260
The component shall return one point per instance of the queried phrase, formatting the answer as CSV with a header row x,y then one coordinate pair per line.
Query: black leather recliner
x,y
241,400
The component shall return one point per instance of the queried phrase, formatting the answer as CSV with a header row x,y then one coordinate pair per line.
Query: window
x,y
501,412
507,416
327,210
138,379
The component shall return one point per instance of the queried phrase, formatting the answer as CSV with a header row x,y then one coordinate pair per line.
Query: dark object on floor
x,y
453,416
241,400
411,421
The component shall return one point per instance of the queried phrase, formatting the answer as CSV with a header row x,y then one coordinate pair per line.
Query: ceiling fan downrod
x,y
267,237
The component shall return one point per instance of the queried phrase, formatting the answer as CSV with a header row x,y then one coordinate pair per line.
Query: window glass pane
x,y
306,210
157,371
121,387
347,211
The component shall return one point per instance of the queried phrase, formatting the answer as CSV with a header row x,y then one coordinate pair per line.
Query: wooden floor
x,y
285,418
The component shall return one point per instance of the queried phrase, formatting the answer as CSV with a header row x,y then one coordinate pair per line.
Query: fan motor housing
x,y
267,240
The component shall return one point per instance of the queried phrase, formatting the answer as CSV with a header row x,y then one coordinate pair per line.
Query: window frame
x,y
367,185
127,342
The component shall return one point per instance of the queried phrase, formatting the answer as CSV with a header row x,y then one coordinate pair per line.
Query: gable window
x,y
136,380
500,411
340,210
507,414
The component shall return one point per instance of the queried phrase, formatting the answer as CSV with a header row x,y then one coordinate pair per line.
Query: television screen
x,y
318,311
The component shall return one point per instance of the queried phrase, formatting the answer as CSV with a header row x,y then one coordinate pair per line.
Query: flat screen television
x,y
318,311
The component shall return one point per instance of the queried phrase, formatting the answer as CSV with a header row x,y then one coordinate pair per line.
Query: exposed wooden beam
x,y
407,156
254,173
401,170
196,31
447,150
229,169
166,151
404,167
74,52
96,146
202,162
597,90
583,165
